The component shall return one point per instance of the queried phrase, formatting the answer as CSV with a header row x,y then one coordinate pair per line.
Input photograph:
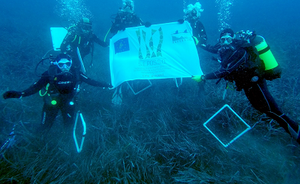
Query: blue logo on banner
x,y
121,45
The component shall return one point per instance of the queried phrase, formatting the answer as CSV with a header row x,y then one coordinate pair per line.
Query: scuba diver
x,y
61,84
125,18
192,15
82,37
242,65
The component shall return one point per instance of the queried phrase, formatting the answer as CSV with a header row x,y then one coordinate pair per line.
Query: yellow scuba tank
x,y
265,53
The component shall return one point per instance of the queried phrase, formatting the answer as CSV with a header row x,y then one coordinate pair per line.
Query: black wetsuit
x,y
124,20
198,31
256,91
62,88
85,42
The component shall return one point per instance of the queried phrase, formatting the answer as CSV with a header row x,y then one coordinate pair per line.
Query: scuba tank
x,y
261,46
265,53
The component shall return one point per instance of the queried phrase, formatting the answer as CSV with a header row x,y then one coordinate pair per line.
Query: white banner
x,y
158,52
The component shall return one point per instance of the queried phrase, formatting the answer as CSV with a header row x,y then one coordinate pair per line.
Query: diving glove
x,y
198,78
12,94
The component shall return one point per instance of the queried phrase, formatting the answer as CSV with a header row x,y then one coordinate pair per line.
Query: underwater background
x,y
157,136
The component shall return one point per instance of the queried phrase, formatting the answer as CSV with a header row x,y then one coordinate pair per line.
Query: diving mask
x,y
86,28
226,40
64,64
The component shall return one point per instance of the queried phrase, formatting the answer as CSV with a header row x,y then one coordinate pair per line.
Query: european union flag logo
x,y
121,45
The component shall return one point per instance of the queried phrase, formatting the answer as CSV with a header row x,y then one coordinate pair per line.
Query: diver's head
x,y
227,36
63,62
128,6
193,12
85,25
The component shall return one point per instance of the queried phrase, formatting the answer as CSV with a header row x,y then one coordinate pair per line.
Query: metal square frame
x,y
235,138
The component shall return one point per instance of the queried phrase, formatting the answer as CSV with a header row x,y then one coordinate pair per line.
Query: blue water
x,y
276,16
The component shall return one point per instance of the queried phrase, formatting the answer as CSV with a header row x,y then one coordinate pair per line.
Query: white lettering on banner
x,y
152,62
155,67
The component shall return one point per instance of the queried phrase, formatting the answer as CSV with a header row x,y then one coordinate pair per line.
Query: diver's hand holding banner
x,y
158,52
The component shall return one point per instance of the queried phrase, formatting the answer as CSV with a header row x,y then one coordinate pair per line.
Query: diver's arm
x,y
113,29
217,74
211,48
116,25
237,58
99,42
92,82
42,82
139,21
